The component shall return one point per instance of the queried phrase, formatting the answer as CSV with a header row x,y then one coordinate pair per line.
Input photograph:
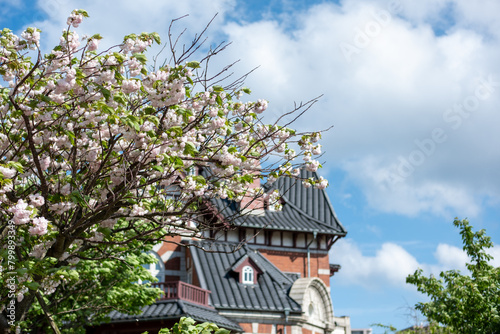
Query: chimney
x,y
253,205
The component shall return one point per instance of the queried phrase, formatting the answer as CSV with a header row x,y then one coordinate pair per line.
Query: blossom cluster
x,y
95,145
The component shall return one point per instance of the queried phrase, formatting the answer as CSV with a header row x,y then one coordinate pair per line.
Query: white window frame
x,y
247,275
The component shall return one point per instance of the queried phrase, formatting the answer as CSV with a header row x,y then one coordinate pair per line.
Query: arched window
x,y
156,269
248,273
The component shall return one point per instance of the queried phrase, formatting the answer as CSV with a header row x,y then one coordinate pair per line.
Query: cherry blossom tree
x,y
103,155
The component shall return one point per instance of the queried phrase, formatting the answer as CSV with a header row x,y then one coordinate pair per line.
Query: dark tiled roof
x,y
304,209
175,309
214,267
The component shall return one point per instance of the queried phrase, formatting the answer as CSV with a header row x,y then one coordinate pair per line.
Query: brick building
x,y
269,273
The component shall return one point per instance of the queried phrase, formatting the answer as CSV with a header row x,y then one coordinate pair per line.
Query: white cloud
x,y
114,21
451,257
495,252
391,264
387,191
394,93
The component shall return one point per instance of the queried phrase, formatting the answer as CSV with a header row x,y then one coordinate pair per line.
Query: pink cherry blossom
x,y
321,183
312,165
74,19
130,86
7,173
36,200
93,44
21,212
39,226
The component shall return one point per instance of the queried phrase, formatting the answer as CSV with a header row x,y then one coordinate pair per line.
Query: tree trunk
x,y
21,310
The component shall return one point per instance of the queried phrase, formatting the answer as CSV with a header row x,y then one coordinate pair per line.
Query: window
x,y
311,310
156,269
247,275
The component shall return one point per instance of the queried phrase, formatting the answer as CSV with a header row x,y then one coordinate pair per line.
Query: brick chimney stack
x,y
252,205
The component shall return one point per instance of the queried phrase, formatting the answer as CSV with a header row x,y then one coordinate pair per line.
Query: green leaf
x,y
16,165
21,271
120,98
193,64
82,12
71,136
158,168
190,149
156,37
132,121
105,92
77,198
177,162
119,56
153,119
175,131
45,98
222,331
140,57
200,179
32,285
149,110
106,109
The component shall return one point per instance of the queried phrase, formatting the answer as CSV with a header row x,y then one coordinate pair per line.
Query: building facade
x,y
268,272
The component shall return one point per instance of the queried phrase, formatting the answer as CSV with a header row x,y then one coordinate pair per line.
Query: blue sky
x,y
412,90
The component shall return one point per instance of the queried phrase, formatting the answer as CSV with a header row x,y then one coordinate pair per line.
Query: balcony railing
x,y
184,291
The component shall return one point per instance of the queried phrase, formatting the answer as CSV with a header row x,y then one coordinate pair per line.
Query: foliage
x,y
430,328
99,160
464,303
187,326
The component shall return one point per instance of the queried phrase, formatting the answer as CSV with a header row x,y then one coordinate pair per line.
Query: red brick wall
x,y
247,328
265,328
306,331
174,263
297,263
251,203
281,329
169,245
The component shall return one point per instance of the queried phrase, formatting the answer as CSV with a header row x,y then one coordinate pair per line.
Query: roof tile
x,y
268,294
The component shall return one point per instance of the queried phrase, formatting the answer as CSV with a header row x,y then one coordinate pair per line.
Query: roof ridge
x,y
327,199
315,175
181,306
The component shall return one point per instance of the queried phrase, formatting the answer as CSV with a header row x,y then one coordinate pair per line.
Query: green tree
x,y
187,326
464,303
429,328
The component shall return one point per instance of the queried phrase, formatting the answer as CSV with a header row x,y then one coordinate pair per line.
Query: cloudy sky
x,y
412,89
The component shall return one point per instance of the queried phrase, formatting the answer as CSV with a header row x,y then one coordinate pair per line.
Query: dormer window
x,y
248,275
246,269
